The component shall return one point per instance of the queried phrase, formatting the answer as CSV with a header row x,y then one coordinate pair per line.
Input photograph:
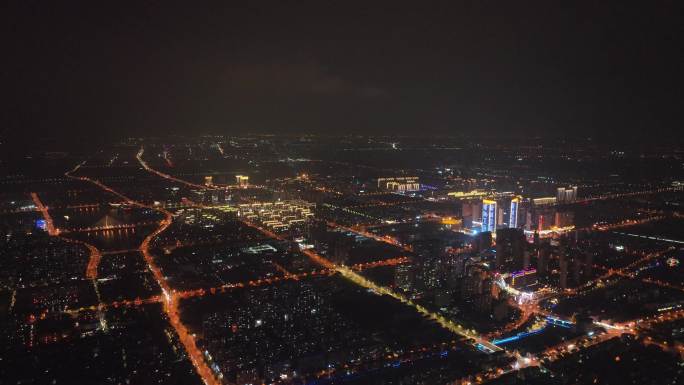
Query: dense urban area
x,y
263,259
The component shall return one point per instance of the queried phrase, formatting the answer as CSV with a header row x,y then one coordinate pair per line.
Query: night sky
x,y
337,67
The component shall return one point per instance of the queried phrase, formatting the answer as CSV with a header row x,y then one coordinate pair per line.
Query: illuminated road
x,y
629,194
386,239
384,262
83,206
634,327
627,223
283,270
205,291
386,204
161,174
201,292
108,228
170,298
253,283
531,307
360,280
49,225
93,262
661,239
527,310
611,272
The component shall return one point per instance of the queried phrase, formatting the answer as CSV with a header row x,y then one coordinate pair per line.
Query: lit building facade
x,y
566,195
400,184
401,187
242,180
513,213
488,215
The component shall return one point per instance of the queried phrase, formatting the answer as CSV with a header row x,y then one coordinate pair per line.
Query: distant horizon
x,y
448,68
605,139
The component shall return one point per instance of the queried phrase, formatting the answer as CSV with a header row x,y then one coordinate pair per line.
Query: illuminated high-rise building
x,y
560,194
242,180
488,215
513,213
566,195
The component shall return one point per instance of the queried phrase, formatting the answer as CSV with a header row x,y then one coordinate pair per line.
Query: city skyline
x,y
289,260
342,193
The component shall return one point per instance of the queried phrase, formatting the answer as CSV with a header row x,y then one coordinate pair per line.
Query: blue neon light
x,y
518,336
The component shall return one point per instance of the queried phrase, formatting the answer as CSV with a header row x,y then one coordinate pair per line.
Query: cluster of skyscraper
x,y
566,195
504,210
490,213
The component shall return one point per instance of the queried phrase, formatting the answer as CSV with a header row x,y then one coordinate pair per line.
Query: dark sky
x,y
459,67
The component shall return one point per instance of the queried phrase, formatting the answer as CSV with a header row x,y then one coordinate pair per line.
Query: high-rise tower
x,y
513,214
488,215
